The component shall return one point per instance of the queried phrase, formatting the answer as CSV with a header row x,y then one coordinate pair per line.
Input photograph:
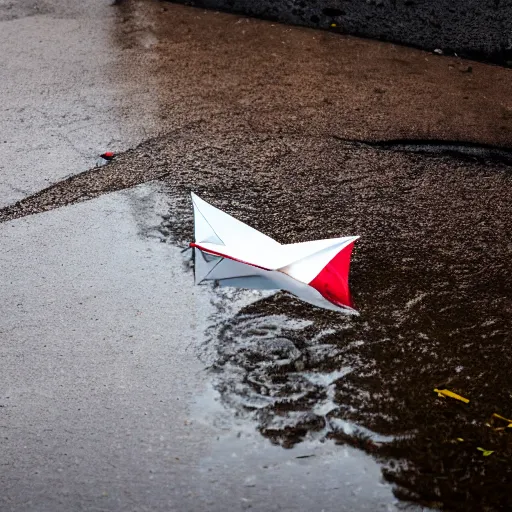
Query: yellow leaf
x,y
500,417
333,25
485,452
460,439
451,394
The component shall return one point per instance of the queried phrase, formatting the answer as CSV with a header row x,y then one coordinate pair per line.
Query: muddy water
x,y
430,276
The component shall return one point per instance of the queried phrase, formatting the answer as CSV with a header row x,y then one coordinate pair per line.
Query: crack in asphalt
x,y
482,153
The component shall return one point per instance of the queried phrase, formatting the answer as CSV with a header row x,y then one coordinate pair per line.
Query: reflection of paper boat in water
x,y
234,254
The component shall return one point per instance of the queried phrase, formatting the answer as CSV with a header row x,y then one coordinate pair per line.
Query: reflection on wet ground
x,y
304,374
268,378
276,368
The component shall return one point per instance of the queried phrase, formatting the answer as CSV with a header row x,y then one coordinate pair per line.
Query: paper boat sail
x,y
234,254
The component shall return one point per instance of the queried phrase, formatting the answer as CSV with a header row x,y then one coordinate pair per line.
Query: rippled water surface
x,y
303,374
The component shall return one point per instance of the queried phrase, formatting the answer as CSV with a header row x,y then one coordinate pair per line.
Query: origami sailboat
x,y
234,254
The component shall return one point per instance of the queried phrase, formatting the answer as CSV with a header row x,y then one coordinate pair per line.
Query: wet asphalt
x,y
303,135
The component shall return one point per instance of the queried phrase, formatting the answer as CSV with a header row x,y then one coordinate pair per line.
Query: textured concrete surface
x,y
473,28
82,78
104,404
60,105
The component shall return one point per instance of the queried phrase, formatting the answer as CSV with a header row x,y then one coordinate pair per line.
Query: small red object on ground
x,y
108,155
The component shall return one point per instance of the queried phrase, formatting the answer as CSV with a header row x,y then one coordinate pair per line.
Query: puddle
x,y
271,359
292,390
273,373
300,374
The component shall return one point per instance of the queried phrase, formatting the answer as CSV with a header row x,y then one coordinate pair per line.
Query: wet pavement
x,y
434,301
79,79
303,135
109,400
